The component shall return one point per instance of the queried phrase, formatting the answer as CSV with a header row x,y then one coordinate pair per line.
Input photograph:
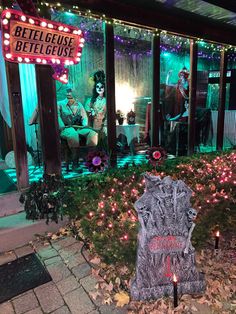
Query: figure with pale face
x,y
73,124
182,90
96,105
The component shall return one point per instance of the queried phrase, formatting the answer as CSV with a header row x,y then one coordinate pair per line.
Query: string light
x,y
148,31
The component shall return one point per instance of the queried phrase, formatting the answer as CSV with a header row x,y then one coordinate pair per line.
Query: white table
x,y
131,131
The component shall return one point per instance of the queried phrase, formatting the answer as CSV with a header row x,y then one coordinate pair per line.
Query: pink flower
x,y
156,154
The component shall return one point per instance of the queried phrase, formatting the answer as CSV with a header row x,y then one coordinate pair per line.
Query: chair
x,y
83,150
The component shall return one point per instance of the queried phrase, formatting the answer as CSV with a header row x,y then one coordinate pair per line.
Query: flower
x,y
96,161
119,114
156,155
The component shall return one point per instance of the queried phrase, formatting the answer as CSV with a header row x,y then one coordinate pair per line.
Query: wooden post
x,y
221,108
17,121
110,91
192,96
50,138
155,105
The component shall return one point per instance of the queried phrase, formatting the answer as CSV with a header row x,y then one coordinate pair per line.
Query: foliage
x,y
47,199
109,221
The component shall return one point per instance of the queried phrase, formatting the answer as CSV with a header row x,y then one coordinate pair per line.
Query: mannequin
x,y
96,105
182,89
73,124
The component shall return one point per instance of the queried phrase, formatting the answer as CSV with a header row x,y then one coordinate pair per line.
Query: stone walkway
x,y
71,285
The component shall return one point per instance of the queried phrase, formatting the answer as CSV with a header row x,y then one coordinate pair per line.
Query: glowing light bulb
x,y
31,21
60,28
81,45
19,59
125,237
66,29
174,278
5,22
78,54
79,32
6,35
44,24
75,32
50,25
23,18
77,59
6,42
82,40
8,15
27,60
8,55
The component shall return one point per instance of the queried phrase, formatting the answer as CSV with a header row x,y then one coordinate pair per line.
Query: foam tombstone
x,y
164,241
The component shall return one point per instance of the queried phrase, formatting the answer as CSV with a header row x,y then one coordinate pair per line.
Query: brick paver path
x,y
71,285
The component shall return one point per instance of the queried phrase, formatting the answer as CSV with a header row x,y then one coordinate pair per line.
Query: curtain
x,y
4,99
29,100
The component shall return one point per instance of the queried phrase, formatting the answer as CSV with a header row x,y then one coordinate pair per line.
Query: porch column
x,y
110,91
155,105
18,128
192,95
49,129
222,97
50,137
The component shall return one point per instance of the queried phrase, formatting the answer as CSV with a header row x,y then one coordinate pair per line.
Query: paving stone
x,y
35,311
89,283
62,310
49,297
40,245
94,312
111,309
7,257
74,260
25,302
70,250
24,250
64,242
79,302
6,308
58,271
67,285
53,260
81,271
47,253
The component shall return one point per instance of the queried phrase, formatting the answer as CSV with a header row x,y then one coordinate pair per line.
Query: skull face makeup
x,y
192,214
100,89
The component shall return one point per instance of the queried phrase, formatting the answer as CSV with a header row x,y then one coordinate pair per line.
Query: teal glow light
x,y
166,54
69,13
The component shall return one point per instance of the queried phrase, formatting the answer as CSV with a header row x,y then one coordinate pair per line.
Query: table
x,y
131,131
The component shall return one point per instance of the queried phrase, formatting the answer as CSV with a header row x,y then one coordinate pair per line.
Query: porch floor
x,y
36,173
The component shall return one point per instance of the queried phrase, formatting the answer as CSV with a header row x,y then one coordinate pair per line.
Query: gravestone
x,y
164,241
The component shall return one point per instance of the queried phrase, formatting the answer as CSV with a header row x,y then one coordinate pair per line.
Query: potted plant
x,y
120,116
